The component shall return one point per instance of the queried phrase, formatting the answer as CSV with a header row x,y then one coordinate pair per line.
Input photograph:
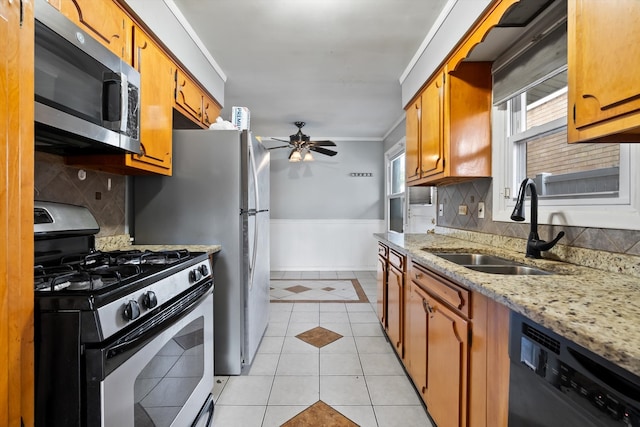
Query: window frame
x,y
622,212
392,154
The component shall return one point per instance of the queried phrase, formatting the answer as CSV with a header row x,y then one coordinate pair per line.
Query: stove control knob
x,y
131,310
149,300
195,275
204,270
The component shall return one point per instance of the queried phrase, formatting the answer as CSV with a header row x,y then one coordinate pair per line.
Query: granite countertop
x,y
597,309
123,242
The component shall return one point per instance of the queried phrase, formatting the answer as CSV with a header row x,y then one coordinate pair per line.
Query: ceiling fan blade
x,y
322,150
279,146
325,143
278,139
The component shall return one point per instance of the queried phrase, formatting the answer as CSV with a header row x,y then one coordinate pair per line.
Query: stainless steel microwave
x,y
87,99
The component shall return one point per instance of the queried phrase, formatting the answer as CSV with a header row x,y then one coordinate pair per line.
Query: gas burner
x,y
151,257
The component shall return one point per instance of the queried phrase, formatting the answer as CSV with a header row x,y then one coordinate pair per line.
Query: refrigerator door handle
x,y
254,172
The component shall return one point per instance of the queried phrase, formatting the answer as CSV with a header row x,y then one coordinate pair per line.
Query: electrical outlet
x,y
440,209
480,210
462,210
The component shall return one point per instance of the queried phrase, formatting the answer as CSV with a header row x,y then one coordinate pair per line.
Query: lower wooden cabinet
x,y
391,295
416,327
437,344
395,304
453,342
383,263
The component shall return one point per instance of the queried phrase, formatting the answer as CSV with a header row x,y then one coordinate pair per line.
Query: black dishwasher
x,y
557,383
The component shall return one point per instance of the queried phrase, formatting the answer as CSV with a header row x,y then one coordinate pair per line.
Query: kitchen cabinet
x,y
210,110
395,300
382,267
103,19
416,328
604,83
449,127
438,321
16,213
193,102
156,75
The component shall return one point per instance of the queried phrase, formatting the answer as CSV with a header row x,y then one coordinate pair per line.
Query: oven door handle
x,y
159,322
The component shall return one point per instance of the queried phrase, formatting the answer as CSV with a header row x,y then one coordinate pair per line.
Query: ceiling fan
x,y
301,146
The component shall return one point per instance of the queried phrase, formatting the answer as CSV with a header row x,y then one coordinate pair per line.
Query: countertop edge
x,y
575,315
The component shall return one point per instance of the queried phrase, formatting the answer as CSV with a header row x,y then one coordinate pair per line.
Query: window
x,y
587,184
396,193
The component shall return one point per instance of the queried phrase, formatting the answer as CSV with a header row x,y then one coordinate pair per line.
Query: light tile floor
x,y
358,375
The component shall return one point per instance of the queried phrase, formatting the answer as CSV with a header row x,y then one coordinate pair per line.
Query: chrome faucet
x,y
534,244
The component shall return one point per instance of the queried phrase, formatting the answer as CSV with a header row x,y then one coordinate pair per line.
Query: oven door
x,y
165,379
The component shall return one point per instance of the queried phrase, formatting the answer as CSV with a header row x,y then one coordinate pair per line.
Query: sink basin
x,y
517,270
490,264
475,259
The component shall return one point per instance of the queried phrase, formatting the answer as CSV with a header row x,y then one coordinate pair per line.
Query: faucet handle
x,y
535,246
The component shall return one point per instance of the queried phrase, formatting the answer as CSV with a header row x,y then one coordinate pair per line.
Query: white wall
x,y
324,244
321,217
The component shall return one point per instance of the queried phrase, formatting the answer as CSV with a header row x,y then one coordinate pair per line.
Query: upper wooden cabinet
x,y
449,127
163,87
156,75
604,83
193,102
103,19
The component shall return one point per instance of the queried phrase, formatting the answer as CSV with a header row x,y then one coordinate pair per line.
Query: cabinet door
x,y
188,96
16,213
382,290
447,370
156,106
412,142
416,335
210,111
395,296
104,20
431,127
604,82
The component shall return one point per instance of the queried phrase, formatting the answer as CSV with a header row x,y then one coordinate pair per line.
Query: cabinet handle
x,y
427,307
418,275
424,389
143,152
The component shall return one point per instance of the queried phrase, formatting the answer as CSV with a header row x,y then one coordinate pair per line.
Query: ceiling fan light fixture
x,y
295,156
308,157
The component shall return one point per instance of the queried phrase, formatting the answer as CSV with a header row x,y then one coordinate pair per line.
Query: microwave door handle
x,y
111,82
124,101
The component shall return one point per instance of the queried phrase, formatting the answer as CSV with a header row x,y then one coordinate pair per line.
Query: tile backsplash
x,y
480,190
102,193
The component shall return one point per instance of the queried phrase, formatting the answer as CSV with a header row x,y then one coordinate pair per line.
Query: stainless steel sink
x,y
490,264
517,270
475,259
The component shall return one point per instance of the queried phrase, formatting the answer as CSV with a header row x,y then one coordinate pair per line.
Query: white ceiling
x,y
334,64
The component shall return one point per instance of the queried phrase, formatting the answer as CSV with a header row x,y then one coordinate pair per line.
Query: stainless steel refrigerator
x,y
218,194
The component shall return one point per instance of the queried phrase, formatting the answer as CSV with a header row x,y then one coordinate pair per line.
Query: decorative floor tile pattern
x,y
355,380
319,414
317,290
319,337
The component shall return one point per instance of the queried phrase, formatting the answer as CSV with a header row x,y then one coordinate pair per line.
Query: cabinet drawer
x,y
449,293
397,260
383,250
